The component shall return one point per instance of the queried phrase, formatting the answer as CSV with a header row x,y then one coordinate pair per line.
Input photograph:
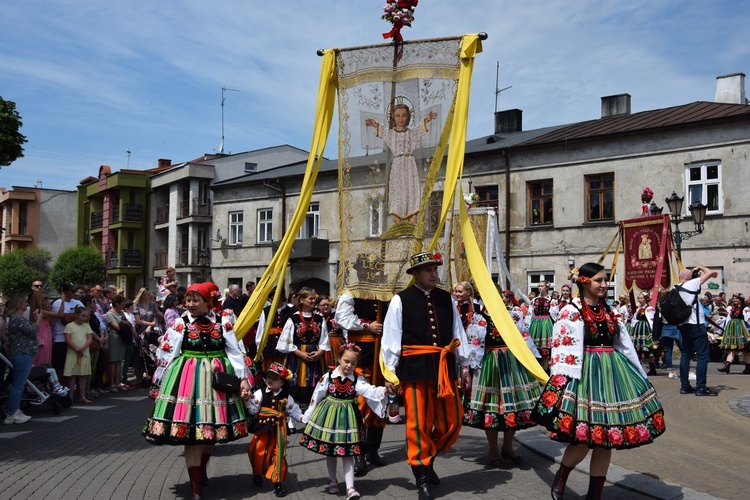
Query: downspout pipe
x,y
281,189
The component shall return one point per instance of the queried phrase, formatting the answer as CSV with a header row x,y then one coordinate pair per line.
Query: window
x,y
611,289
540,202
311,224
704,185
600,196
265,225
203,195
375,209
488,196
235,228
250,167
533,279
432,217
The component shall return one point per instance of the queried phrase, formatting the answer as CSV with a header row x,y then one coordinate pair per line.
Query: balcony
x,y
162,214
129,213
195,207
314,249
161,260
97,219
130,258
198,257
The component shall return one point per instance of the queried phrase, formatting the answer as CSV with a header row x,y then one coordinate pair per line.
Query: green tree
x,y
11,139
18,269
79,265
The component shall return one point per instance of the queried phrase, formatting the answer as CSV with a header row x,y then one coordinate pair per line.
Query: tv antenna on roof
x,y
127,153
497,82
223,90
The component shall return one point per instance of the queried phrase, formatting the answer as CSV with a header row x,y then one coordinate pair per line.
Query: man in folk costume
x,y
423,342
359,317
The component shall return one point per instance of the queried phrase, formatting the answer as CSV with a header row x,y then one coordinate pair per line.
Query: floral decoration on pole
x,y
646,196
400,13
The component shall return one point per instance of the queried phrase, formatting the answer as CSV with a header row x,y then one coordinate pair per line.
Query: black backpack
x,y
673,308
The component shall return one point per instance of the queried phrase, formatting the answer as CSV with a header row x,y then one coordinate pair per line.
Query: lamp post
x,y
697,212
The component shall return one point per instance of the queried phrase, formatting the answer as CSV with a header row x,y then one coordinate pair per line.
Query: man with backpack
x,y
693,331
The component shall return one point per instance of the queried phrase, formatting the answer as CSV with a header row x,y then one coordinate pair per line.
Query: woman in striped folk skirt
x,y
598,396
503,394
188,410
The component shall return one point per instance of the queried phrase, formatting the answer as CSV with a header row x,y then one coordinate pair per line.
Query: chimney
x,y
510,120
730,89
164,162
613,105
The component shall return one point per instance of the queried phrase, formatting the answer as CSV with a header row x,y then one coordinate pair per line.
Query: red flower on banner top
x,y
400,13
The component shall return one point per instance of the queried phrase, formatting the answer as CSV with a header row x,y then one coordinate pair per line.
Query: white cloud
x,y
93,78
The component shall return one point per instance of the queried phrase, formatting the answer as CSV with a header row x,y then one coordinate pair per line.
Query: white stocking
x,y
349,471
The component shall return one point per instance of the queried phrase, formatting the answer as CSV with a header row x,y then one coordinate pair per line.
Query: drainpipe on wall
x,y
506,155
281,189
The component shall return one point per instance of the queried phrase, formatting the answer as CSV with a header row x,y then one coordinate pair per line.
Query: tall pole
x,y
223,91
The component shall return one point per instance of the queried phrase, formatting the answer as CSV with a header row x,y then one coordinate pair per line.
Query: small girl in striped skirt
x,y
334,422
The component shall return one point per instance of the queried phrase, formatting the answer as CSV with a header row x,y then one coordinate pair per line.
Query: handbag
x,y
223,381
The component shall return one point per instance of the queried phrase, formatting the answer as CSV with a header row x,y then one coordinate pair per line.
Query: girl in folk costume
x,y
565,297
503,392
335,334
278,319
404,191
746,317
540,319
735,332
304,340
598,396
334,422
473,321
273,405
188,410
641,326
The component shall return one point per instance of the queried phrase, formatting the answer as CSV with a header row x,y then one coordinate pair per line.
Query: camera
x,y
696,273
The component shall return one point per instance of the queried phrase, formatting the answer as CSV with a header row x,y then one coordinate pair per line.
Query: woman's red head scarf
x,y
210,293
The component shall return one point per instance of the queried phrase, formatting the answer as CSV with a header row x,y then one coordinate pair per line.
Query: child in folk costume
x,y
540,318
735,336
273,405
304,340
642,324
334,422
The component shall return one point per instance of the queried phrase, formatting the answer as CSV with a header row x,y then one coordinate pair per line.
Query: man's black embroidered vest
x,y
419,327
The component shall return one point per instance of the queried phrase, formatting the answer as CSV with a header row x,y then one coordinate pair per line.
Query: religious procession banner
x,y
396,110
646,244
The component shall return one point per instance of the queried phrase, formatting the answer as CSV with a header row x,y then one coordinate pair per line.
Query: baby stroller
x,y
148,345
38,390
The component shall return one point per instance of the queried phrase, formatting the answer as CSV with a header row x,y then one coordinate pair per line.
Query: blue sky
x,y
93,78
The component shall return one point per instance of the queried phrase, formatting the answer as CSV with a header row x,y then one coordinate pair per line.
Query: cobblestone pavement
x,y
96,451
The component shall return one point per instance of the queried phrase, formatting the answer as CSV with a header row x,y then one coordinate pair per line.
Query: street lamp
x,y
113,259
697,212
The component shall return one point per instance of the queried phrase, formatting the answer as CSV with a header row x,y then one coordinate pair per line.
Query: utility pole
x,y
223,91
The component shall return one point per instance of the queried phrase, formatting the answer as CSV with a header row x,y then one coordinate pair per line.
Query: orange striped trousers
x,y
432,423
262,454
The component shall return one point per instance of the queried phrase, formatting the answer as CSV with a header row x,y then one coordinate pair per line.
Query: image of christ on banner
x,y
395,104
